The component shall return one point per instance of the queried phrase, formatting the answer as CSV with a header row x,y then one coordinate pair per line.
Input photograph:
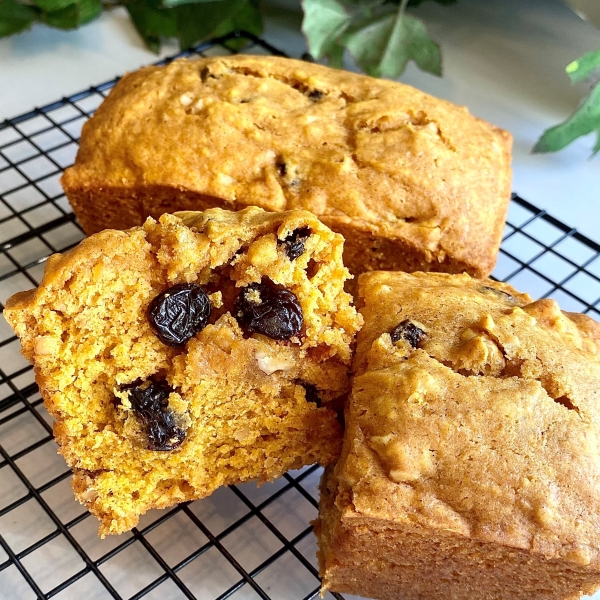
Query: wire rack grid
x,y
243,542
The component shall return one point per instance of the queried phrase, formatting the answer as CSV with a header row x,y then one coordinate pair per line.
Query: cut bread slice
x,y
201,350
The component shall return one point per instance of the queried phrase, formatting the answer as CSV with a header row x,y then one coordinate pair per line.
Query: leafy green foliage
x,y
152,23
190,21
378,33
381,37
585,120
15,17
53,5
196,22
324,22
585,67
247,18
384,45
172,3
445,2
586,117
73,15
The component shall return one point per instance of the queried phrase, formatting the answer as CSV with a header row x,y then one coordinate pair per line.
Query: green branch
x,y
586,117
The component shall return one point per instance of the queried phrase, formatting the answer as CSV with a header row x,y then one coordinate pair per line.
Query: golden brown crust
x,y
364,154
475,441
588,327
242,399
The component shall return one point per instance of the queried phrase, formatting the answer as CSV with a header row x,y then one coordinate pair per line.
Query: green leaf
x,y
336,56
585,120
152,23
596,147
66,18
383,45
196,22
89,10
74,15
324,22
53,5
444,2
584,67
173,3
247,18
193,22
15,17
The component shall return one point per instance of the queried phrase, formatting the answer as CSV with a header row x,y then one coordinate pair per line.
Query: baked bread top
x,y
476,412
281,134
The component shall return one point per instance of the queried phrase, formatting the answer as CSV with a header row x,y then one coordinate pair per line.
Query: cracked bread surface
x,y
470,465
238,405
411,181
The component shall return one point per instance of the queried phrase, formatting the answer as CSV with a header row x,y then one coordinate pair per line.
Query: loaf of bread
x,y
198,351
470,468
411,181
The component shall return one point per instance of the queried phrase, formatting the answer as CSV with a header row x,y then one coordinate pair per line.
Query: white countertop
x,y
505,60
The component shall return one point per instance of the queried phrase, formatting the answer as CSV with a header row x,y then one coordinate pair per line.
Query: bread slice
x,y
470,467
202,350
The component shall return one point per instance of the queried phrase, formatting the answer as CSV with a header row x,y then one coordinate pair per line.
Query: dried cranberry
x,y
150,401
414,335
179,313
486,289
270,310
294,242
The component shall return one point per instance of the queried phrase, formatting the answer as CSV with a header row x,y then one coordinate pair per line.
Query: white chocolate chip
x,y
269,364
45,345
226,179
89,495
186,99
200,105
241,434
580,554
347,165
431,127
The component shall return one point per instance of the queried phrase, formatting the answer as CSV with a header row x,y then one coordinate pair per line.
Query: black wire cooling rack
x,y
243,542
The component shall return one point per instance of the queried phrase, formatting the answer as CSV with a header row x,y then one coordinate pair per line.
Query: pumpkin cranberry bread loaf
x,y
470,468
412,182
203,350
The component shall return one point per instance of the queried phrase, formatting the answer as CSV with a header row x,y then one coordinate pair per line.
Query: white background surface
x,y
504,59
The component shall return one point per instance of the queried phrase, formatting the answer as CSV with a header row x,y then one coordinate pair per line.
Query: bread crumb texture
x,y
236,402
411,181
470,466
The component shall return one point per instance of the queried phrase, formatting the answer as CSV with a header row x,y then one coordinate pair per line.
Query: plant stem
x,y
402,8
